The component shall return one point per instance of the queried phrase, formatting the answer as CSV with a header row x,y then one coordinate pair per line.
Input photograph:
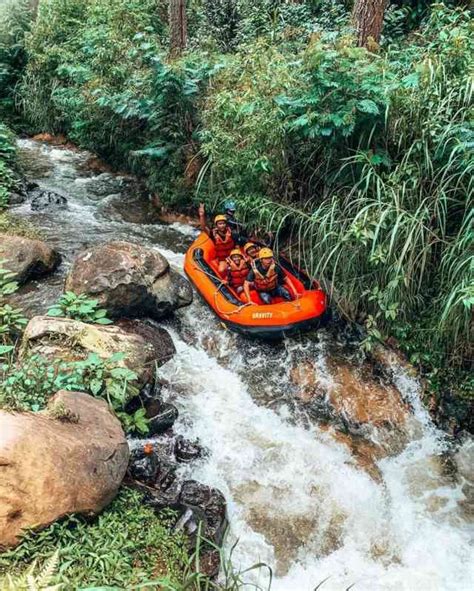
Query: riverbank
x,y
315,449
389,247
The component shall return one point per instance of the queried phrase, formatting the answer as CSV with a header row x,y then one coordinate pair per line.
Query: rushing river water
x,y
297,498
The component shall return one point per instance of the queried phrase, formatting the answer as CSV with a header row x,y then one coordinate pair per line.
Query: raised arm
x,y
202,219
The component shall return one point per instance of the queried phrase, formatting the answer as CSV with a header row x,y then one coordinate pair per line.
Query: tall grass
x,y
398,243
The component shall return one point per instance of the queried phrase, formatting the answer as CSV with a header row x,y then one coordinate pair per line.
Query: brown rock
x,y
366,414
50,468
144,346
129,280
362,399
27,258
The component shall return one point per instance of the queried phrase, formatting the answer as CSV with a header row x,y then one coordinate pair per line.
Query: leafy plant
x,y
32,580
29,384
12,320
124,546
79,307
7,154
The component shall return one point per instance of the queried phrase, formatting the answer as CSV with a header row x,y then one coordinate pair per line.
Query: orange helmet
x,y
236,252
265,253
220,218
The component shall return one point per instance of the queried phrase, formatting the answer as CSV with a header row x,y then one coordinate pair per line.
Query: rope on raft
x,y
216,293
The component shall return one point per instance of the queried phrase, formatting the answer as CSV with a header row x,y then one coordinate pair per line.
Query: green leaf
x,y
368,106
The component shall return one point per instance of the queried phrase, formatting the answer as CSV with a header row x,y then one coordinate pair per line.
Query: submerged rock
x,y
129,280
145,347
50,467
366,414
45,199
27,258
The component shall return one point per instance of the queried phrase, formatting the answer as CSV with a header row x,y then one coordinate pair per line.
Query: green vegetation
x,y
7,153
30,382
126,545
12,320
79,307
365,157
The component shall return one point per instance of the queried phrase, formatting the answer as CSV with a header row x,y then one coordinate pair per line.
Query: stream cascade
x,y
298,500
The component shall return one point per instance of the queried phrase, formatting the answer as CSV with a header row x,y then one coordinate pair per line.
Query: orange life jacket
x,y
237,273
223,245
267,282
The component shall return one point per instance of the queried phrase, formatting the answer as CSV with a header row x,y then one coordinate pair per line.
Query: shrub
x,y
7,154
79,307
29,384
12,320
127,544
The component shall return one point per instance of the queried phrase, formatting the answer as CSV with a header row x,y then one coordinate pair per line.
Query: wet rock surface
x,y
145,347
27,258
156,468
52,467
129,280
43,199
365,412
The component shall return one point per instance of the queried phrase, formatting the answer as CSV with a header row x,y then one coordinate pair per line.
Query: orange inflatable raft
x,y
266,321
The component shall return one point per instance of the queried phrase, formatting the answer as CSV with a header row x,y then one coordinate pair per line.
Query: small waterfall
x,y
297,498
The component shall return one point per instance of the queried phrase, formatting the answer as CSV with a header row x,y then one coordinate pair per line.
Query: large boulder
x,y
27,258
70,458
129,280
145,347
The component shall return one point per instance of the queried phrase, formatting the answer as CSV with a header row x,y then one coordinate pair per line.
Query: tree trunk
x,y
367,18
178,26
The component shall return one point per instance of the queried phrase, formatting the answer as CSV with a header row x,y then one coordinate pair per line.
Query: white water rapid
x,y
297,499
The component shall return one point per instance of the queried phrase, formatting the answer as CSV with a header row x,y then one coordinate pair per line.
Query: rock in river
x,y
51,467
27,258
129,280
44,199
144,346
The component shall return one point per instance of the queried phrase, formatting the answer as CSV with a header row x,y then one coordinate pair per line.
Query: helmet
x,y
230,205
249,245
235,252
220,218
265,253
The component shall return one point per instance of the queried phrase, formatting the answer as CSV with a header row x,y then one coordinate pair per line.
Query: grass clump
x,y
127,544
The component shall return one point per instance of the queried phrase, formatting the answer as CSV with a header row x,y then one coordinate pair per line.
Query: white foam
x,y
295,491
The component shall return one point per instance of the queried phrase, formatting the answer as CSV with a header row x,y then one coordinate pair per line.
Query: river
x,y
298,499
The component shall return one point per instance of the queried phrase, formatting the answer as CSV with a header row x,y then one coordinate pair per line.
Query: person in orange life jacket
x,y
237,270
268,279
222,236
251,251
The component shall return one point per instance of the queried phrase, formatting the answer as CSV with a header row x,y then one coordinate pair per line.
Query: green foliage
x,y
12,320
7,154
79,307
364,160
14,23
29,384
33,579
124,546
